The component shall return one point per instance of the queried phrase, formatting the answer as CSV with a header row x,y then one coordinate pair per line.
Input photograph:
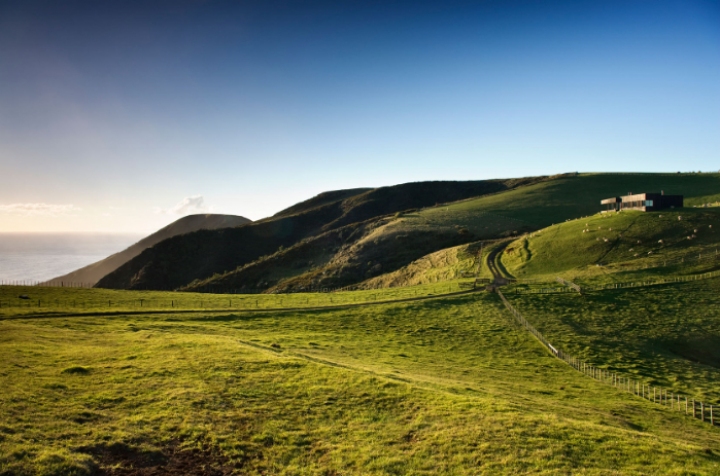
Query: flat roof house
x,y
646,202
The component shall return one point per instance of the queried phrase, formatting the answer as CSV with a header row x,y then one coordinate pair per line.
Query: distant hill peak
x,y
92,273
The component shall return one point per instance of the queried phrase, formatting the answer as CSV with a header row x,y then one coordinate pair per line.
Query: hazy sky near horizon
x,y
123,116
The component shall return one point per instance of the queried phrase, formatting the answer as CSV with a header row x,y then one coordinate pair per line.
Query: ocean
x,y
42,256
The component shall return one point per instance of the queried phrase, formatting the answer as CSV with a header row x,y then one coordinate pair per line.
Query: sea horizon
x,y
40,256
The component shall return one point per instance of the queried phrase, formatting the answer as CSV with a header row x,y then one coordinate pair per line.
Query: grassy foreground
x,y
448,386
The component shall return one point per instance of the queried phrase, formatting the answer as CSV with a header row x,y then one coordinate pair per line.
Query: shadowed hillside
x,y
393,242
92,273
178,261
343,238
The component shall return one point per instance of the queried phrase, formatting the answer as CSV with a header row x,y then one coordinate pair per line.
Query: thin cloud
x,y
187,206
38,209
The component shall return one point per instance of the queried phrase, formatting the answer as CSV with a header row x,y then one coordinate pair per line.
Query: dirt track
x,y
499,275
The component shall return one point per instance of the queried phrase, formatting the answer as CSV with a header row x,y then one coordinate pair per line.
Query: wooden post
x,y
686,405
693,403
654,395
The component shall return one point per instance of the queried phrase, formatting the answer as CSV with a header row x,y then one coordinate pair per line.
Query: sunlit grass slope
x,y
347,255
441,387
442,266
52,301
568,196
666,335
602,245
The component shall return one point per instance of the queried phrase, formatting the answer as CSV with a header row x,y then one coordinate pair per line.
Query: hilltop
x,y
92,273
608,245
306,236
344,238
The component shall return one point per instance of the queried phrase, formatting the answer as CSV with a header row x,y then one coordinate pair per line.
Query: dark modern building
x,y
647,202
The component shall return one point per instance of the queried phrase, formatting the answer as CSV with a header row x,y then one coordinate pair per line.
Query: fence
x,y
572,287
658,395
49,284
709,254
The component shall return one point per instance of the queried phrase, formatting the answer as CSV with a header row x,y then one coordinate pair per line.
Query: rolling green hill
x,y
178,261
616,245
343,238
571,196
92,273
371,250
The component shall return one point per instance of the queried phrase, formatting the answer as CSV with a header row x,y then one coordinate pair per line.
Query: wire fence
x,y
570,287
675,401
48,284
705,256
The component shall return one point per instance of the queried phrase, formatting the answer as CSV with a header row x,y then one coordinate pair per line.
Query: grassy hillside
x,y
438,387
320,200
573,196
387,245
178,261
92,273
389,228
448,265
666,335
617,246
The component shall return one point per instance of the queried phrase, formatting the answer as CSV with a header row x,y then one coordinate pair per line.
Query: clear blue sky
x,y
121,116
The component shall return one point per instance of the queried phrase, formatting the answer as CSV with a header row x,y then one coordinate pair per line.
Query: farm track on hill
x,y
500,275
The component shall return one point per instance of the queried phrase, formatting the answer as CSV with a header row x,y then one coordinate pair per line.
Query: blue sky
x,y
122,116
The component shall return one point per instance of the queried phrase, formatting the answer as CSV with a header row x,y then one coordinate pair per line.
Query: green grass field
x,y
666,335
51,301
444,386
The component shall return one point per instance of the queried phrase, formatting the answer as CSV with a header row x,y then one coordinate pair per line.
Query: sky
x,y
121,116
